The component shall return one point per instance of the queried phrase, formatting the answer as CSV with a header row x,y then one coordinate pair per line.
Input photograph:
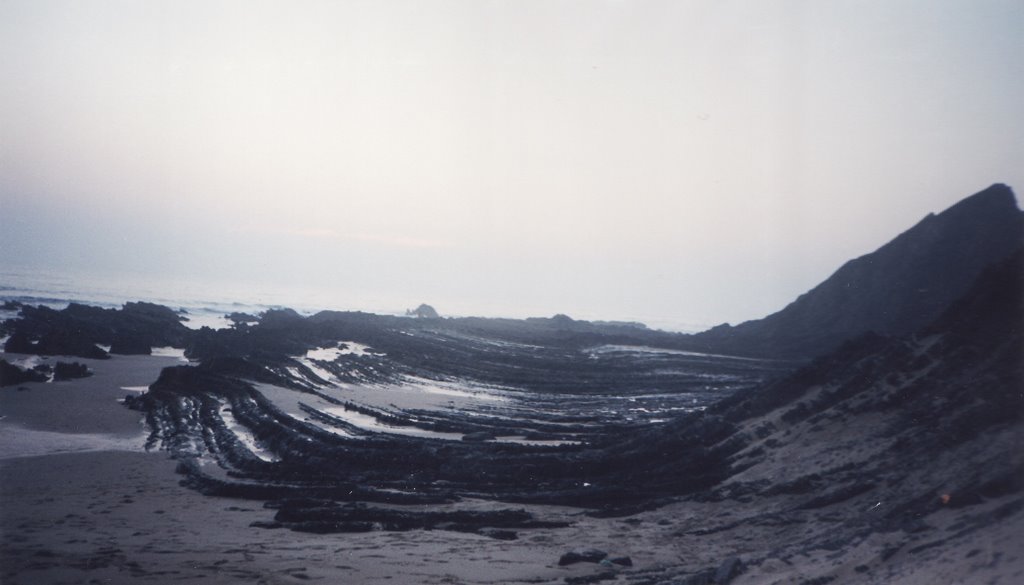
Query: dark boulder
x,y
728,570
11,375
584,555
70,371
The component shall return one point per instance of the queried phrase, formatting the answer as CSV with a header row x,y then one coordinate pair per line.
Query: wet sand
x,y
39,418
119,517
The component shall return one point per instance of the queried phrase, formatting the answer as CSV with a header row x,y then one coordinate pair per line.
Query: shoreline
x,y
803,501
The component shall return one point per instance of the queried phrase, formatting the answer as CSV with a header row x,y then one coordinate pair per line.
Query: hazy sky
x,y
674,161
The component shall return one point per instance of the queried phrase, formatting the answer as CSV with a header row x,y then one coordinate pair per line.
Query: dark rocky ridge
x,y
893,291
70,371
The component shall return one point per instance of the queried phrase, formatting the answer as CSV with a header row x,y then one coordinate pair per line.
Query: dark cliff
x,y
893,291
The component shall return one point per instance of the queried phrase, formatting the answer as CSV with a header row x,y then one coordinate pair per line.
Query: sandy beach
x,y
83,502
121,517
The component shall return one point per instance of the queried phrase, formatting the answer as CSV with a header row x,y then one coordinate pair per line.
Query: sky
x,y
682,163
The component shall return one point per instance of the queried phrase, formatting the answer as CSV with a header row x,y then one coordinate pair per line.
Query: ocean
x,y
206,303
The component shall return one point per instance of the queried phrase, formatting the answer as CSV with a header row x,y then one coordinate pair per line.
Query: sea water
x,y
206,303
202,303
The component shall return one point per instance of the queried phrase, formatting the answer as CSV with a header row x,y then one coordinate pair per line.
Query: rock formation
x,y
424,311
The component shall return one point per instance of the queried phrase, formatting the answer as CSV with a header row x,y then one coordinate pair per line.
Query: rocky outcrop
x,y
12,375
78,329
241,319
55,341
70,371
424,311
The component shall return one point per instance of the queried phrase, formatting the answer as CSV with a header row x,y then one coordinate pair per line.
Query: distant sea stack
x,y
424,311
895,290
